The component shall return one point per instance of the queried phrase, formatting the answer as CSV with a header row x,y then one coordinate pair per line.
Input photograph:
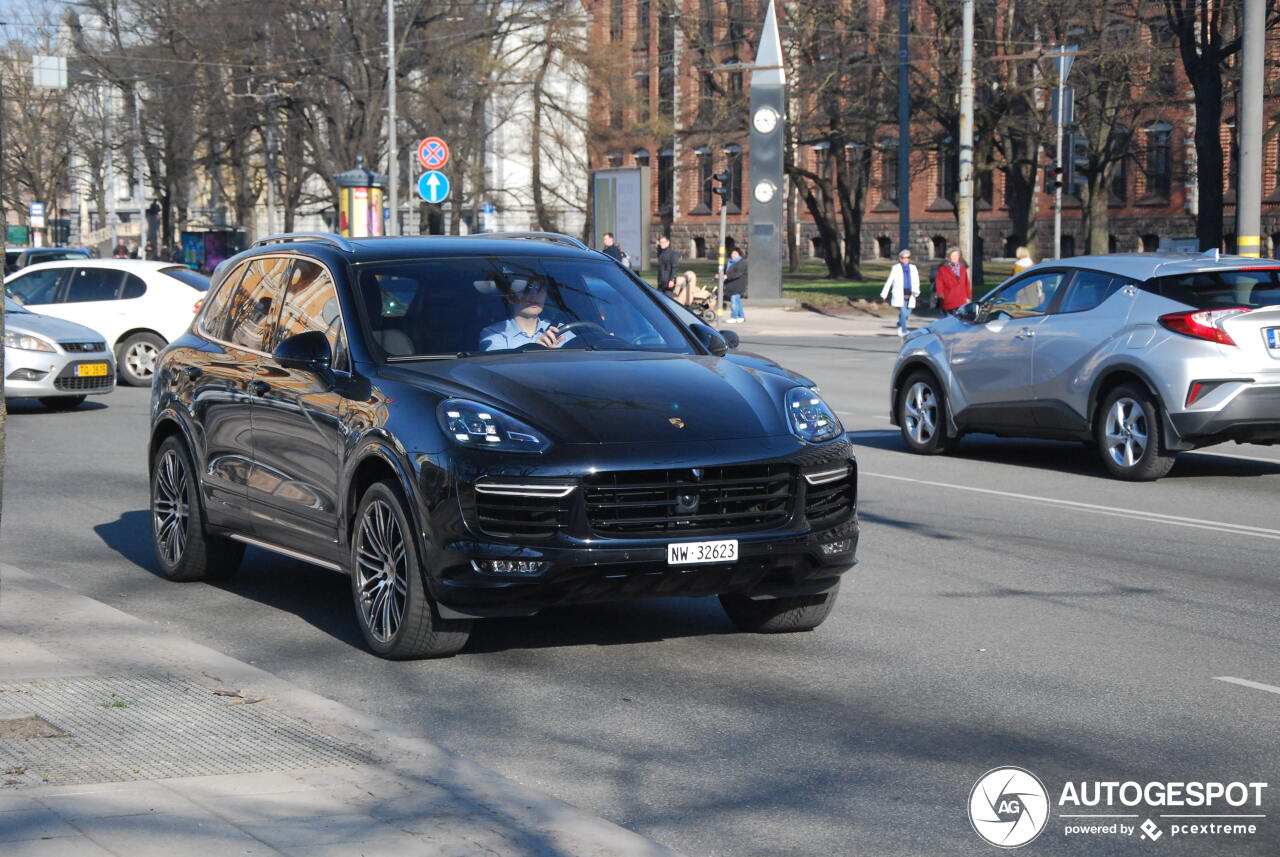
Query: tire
x,y
1128,431
921,410
779,615
397,616
184,549
708,315
136,358
62,403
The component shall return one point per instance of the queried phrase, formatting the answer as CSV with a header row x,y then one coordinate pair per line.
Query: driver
x,y
526,325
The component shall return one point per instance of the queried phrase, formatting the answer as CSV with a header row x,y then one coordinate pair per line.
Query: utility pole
x,y
393,150
1249,179
965,206
1063,57
105,92
904,129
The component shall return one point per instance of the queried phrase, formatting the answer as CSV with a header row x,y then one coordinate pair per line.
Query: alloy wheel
x,y
920,412
382,572
169,508
141,359
1126,434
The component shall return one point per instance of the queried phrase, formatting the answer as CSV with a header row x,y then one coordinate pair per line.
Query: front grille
x,y
84,385
830,501
83,347
737,498
532,510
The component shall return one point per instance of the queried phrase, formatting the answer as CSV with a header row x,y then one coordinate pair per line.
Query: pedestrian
x,y
901,288
611,248
133,249
121,251
666,265
1022,259
735,256
952,286
735,286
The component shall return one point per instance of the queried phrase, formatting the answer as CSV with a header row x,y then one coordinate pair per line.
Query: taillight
x,y
195,309
1203,324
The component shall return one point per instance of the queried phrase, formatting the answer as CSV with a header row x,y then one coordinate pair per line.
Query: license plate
x,y
91,370
1273,337
694,553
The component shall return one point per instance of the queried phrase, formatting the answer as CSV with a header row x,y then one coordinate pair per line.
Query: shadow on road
x,y
33,407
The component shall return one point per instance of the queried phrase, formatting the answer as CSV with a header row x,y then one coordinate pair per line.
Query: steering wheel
x,y
582,325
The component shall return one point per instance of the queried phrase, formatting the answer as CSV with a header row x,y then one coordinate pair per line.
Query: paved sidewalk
x,y
160,746
777,321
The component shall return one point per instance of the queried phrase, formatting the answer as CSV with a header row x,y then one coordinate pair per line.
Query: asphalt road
x,y
1013,606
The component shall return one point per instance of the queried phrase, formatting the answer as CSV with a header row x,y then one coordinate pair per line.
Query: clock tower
x,y
764,195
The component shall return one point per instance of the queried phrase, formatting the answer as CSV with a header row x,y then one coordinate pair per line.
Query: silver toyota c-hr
x,y
1146,355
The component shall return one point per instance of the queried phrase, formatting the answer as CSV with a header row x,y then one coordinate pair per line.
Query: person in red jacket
x,y
952,284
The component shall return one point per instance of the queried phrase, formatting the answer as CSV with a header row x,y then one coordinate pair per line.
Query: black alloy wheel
x,y
184,550
397,616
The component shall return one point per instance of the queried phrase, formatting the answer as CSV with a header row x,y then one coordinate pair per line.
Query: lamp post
x,y
393,150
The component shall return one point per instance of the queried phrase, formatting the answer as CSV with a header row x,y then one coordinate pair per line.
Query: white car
x,y
139,306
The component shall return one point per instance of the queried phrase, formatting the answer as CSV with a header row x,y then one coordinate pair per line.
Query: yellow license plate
x,y
91,370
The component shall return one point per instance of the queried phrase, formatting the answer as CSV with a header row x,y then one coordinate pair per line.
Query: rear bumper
x,y
769,565
1253,416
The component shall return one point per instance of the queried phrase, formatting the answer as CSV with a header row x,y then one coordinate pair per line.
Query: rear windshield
x,y
1218,289
199,282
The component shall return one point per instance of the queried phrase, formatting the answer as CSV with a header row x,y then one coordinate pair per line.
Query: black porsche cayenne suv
x,y
485,426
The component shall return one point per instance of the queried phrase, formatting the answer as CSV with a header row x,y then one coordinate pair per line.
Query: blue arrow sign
x,y
433,186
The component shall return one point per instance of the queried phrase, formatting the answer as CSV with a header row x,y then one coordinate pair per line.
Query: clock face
x,y
765,120
765,190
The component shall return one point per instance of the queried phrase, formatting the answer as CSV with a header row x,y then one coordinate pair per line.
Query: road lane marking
x,y
1094,508
1244,682
1233,455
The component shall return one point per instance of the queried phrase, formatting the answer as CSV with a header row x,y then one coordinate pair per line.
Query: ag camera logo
x,y
1008,807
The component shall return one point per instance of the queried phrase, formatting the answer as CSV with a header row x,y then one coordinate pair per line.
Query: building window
x,y
948,171
614,158
667,91
735,80
1159,166
734,154
615,21
987,188
641,157
735,15
642,97
705,169
1120,179
889,173
644,13
666,178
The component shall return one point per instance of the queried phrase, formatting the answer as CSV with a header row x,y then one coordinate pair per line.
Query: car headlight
x,y
27,342
474,425
811,418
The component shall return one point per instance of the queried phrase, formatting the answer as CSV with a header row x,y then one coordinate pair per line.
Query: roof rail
x,y
322,237
552,237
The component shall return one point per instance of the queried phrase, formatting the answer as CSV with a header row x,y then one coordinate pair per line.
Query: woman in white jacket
x,y
902,288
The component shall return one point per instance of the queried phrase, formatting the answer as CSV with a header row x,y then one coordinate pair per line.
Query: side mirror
x,y
730,338
969,312
307,351
710,340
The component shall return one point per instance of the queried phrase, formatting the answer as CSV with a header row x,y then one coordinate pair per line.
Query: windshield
x,y
10,305
436,307
199,282
1220,289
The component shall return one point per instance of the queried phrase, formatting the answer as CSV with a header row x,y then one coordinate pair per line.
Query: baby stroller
x,y
699,301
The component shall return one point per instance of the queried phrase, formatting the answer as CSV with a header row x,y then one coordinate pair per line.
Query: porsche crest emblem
x,y
676,421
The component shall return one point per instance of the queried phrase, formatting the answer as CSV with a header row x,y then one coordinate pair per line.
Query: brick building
x,y
669,59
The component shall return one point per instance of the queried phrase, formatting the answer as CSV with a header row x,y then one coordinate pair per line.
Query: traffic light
x,y
725,185
1052,178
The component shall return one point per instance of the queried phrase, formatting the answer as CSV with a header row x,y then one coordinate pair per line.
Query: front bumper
x,y
802,553
43,374
1252,416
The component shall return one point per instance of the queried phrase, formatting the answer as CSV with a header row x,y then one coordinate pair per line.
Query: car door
x,y
298,431
991,361
1084,327
235,327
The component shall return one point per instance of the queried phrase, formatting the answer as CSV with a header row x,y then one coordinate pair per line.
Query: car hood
x,y
50,327
618,397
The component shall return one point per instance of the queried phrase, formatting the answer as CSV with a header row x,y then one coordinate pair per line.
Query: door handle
x,y
259,388
1026,333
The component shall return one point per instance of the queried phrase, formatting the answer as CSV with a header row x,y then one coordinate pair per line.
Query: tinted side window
x,y
311,303
252,309
93,284
212,319
1089,289
38,287
134,287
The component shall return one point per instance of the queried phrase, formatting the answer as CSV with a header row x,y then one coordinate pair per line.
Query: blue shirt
x,y
906,278
507,334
